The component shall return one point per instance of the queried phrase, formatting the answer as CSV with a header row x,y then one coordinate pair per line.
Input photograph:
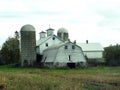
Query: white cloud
x,y
95,20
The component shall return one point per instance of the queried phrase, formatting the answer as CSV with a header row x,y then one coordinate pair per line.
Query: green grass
x,y
89,78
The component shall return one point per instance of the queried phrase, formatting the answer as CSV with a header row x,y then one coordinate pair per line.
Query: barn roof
x,y
62,30
55,46
59,45
91,46
39,42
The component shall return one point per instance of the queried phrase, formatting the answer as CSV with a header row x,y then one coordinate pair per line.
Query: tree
x,y
10,51
17,35
112,55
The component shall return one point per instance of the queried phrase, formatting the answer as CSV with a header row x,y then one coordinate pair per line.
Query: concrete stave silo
x,y
28,45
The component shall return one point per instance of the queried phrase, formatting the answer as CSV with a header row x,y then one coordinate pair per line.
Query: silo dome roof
x,y
62,30
27,27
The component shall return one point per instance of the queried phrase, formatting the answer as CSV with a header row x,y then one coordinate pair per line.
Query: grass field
x,y
92,78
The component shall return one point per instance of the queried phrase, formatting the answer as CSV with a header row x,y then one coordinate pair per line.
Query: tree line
x,y
112,55
10,52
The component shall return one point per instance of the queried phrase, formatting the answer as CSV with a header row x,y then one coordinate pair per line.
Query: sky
x,y
97,21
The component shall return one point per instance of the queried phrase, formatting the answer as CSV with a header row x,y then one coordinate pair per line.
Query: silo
x,y
28,45
63,34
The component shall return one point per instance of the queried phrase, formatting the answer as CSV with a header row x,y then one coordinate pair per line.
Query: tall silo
x,y
28,45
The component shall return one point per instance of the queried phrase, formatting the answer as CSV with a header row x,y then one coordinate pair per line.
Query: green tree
x,y
112,54
10,51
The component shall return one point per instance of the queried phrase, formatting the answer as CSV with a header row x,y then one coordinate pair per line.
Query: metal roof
x,y
42,32
62,30
59,45
27,27
39,42
55,46
91,46
49,29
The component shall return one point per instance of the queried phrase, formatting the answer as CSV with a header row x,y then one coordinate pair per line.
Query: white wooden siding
x,y
94,55
50,42
60,56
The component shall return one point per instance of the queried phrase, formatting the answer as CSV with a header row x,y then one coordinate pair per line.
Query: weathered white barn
x,y
51,45
66,54
57,50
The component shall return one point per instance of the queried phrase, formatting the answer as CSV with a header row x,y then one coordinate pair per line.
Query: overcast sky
x,y
93,20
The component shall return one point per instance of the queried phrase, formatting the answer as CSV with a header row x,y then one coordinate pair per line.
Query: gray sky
x,y
93,20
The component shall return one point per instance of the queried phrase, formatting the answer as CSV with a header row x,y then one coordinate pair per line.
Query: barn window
x,y
53,38
66,47
73,46
46,44
69,58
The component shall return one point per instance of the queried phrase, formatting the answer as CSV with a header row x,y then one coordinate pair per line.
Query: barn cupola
x,y
42,34
50,32
63,34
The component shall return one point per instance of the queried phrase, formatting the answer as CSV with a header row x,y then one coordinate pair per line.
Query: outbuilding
x,y
93,52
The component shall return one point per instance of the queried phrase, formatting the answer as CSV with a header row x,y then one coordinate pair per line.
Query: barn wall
x,y
94,54
50,42
75,55
49,57
62,56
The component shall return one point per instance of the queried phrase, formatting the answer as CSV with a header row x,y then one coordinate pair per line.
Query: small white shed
x,y
66,54
93,51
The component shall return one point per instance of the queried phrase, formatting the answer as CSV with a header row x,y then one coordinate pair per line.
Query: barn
x,y
56,50
66,54
93,52
46,41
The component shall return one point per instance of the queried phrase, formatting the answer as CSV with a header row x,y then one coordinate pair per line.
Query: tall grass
x,y
94,78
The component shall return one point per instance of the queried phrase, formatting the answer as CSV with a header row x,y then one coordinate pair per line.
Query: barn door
x,y
71,65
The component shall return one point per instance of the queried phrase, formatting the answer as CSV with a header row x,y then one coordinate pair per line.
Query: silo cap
x,y
62,30
27,27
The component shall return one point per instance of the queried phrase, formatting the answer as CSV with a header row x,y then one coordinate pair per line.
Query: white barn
x,y
46,41
51,49
92,51
67,54
57,50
